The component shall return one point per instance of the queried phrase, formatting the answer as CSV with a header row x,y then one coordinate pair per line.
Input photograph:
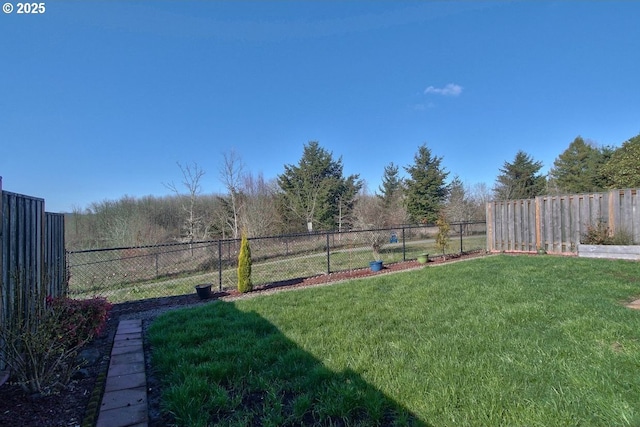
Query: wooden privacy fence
x,y
32,256
557,223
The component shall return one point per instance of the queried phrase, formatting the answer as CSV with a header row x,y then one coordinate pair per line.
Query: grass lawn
x,y
502,340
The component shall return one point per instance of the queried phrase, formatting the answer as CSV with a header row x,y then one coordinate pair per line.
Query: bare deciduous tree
x,y
480,195
259,213
369,215
231,177
191,176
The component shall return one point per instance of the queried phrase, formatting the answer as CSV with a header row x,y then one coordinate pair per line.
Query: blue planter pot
x,y
375,265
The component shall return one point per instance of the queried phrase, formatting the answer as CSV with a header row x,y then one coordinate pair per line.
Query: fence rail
x,y
557,223
131,273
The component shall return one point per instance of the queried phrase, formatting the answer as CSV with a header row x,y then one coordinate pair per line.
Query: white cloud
x,y
449,90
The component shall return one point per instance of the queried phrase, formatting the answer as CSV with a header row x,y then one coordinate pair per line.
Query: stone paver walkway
x,y
124,403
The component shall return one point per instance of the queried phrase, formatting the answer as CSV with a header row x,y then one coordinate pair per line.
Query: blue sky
x,y
101,99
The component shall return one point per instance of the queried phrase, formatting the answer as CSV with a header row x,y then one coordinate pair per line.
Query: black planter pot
x,y
204,291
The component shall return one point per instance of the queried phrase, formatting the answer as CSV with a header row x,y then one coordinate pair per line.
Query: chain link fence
x,y
134,273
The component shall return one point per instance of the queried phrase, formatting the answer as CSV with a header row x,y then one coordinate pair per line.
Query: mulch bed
x,y
77,405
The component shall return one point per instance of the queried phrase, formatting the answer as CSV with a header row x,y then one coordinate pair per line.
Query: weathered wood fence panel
x,y
32,256
55,256
557,223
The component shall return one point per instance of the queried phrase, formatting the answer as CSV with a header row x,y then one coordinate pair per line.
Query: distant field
x,y
121,285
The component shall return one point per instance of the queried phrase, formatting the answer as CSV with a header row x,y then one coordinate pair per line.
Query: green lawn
x,y
502,340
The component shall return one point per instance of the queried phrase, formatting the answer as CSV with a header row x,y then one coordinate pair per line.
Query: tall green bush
x,y
244,266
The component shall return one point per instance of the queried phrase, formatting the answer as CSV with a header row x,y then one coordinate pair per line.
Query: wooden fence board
x,y
635,215
584,214
518,241
556,225
566,224
503,226
626,209
55,254
532,226
511,228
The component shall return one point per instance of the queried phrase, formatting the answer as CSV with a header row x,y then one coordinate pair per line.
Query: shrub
x,y
600,234
377,240
41,349
622,237
77,320
244,266
442,238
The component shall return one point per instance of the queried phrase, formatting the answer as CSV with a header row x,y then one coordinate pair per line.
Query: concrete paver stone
x,y
124,398
129,349
127,343
130,357
123,417
125,369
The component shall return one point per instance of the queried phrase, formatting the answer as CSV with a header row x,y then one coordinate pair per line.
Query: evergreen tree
x,y
244,265
391,197
578,168
391,187
426,189
315,191
520,179
623,168
345,197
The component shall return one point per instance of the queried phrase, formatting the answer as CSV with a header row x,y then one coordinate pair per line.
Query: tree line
x,y
314,195
583,167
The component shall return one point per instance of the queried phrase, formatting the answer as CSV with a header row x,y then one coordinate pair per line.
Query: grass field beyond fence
x,y
129,274
502,340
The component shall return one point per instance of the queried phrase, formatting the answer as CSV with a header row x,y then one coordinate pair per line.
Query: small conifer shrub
x,y
244,266
442,238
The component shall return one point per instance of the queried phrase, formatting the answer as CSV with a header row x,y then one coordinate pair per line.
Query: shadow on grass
x,y
223,366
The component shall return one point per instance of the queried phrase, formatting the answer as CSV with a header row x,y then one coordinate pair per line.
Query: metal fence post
x,y
404,246
220,265
460,237
328,255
